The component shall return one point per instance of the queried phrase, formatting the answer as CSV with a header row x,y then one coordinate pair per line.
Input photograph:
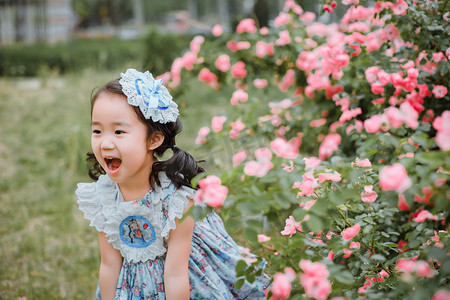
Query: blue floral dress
x,y
140,229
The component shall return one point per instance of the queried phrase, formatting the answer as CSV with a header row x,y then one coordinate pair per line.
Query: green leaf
x,y
378,257
239,283
313,224
250,235
240,266
344,277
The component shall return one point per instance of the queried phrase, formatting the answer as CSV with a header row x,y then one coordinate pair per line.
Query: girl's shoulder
x,y
90,197
174,201
167,189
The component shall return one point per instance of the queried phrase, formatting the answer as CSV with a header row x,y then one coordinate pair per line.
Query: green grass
x,y
47,249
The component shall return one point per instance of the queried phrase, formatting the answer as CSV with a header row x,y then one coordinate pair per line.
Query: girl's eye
x,y
95,131
118,132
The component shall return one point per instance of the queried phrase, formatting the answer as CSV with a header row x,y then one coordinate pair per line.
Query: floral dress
x,y
140,229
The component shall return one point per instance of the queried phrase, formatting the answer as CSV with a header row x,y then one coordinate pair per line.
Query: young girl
x,y
137,201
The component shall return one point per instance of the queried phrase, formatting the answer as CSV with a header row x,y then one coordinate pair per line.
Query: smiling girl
x,y
137,201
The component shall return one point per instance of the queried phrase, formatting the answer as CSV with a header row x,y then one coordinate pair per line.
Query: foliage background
x,y
330,86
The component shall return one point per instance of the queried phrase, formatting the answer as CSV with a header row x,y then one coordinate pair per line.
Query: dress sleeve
x,y
174,208
90,205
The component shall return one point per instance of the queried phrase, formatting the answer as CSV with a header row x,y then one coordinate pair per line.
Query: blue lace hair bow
x,y
150,95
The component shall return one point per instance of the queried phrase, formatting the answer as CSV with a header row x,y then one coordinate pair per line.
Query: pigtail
x,y
180,168
95,169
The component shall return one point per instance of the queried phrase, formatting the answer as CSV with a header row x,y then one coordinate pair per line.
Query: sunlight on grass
x,y
48,250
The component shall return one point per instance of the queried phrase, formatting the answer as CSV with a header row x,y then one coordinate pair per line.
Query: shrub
x,y
339,147
161,49
76,55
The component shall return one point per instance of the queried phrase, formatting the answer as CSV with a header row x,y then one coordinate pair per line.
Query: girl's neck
x,y
138,186
135,192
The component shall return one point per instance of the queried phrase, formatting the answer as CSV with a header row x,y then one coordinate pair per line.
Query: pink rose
x,y
441,295
238,95
311,162
263,154
314,268
400,7
246,25
329,145
211,192
409,115
427,193
291,226
316,287
223,63
363,163
442,125
263,238
394,178
347,253
283,39
281,19
257,168
196,43
373,124
439,91
394,116
263,49
377,87
420,267
315,279
260,83
371,74
189,59
307,186
335,176
217,123
261,166
350,114
369,195
207,76
239,157
217,30
350,232
281,286
287,81
202,133
238,70
317,123
424,215
209,181
443,140
286,149
383,77
238,125
402,204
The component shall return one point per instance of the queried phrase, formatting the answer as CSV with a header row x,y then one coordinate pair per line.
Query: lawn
x,y
48,250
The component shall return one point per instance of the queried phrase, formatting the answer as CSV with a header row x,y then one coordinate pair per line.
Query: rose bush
x,y
340,147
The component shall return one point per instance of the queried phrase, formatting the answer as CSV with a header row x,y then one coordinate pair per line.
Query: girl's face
x,y
119,141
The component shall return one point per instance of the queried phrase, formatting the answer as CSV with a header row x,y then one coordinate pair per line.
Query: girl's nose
x,y
107,144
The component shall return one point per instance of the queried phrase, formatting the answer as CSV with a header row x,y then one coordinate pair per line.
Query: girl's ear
x,y
156,140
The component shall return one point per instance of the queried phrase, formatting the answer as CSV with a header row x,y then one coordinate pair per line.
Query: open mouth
x,y
113,164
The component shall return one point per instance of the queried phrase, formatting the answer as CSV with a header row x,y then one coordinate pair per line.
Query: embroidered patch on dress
x,y
136,232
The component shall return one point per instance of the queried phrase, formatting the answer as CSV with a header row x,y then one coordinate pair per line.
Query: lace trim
x,y
176,207
99,204
89,204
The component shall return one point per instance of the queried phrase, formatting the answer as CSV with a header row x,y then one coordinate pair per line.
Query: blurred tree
x,y
101,12
262,12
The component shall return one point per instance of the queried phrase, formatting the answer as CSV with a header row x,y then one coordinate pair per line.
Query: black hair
x,y
180,168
